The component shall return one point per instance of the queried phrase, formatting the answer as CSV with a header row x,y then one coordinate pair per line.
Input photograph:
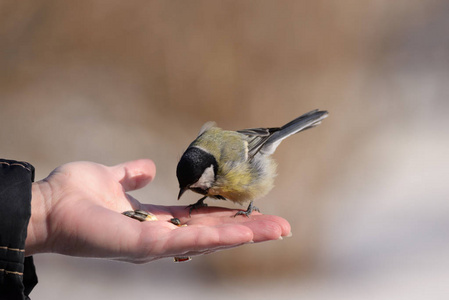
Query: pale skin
x,y
77,210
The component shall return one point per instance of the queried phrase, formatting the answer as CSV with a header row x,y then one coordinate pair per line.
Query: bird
x,y
236,165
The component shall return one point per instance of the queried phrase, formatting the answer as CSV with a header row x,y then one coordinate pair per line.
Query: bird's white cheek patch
x,y
206,179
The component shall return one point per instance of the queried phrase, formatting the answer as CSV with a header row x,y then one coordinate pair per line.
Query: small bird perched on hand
x,y
236,165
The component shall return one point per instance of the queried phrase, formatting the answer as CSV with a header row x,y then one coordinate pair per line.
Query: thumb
x,y
135,174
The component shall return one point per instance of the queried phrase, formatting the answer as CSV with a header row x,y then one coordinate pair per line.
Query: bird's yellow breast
x,y
243,183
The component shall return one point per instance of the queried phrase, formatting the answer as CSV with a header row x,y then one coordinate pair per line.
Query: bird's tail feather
x,y
306,121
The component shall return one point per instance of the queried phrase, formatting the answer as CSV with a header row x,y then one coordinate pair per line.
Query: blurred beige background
x,y
366,192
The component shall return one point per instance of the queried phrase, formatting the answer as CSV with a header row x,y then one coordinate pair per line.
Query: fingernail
x,y
280,238
289,234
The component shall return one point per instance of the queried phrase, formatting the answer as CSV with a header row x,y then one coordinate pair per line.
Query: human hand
x,y
77,210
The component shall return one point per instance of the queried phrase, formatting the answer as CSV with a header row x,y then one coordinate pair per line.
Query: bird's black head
x,y
196,170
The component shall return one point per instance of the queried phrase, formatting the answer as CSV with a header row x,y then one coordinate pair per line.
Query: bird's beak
x,y
181,192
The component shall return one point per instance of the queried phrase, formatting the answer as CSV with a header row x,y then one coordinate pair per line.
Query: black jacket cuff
x,y
17,274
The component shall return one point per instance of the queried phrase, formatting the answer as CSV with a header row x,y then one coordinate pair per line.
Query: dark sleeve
x,y
17,273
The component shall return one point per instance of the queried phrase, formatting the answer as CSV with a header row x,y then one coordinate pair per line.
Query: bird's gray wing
x,y
256,138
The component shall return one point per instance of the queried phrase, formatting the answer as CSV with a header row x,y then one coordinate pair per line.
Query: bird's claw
x,y
195,206
248,211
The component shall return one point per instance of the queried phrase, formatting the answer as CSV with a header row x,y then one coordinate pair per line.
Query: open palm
x,y
77,210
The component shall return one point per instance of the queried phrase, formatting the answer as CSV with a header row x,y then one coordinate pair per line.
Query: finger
x,y
183,212
210,250
205,238
218,215
264,227
146,240
135,174
269,227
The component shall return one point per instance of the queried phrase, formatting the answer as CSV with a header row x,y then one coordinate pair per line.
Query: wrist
x,y
37,235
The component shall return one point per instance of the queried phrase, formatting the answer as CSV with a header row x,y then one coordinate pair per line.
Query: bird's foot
x,y
200,203
248,211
